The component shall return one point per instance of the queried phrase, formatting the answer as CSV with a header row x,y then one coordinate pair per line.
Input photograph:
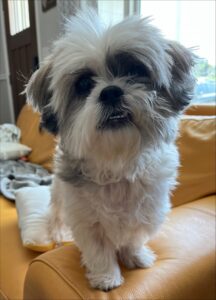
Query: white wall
x,y
47,27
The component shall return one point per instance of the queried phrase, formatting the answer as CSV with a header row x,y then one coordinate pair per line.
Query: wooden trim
x,y
33,23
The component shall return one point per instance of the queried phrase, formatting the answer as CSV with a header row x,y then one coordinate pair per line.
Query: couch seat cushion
x,y
185,268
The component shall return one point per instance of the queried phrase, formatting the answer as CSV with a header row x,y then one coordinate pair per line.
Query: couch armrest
x,y
185,268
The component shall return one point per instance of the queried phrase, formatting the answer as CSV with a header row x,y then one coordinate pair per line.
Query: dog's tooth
x,y
116,117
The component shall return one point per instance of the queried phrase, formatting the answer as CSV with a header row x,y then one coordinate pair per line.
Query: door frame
x,y
6,75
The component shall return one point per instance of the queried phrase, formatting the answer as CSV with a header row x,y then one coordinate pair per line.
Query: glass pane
x,y
192,23
18,15
111,11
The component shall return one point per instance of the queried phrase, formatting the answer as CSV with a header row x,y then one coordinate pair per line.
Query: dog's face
x,y
110,92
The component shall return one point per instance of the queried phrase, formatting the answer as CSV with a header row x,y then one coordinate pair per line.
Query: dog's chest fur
x,y
121,209
127,206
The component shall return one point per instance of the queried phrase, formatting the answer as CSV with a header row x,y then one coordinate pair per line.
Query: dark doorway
x,y
21,44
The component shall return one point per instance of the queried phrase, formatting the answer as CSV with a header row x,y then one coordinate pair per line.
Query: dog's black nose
x,y
111,95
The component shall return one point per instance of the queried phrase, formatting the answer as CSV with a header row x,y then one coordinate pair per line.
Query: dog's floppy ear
x,y
37,89
39,95
182,83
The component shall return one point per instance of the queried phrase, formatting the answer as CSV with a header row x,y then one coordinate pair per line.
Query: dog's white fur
x,y
112,187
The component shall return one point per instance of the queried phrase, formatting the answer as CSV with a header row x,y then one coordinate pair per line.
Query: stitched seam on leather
x,y
200,210
71,284
197,117
3,295
191,201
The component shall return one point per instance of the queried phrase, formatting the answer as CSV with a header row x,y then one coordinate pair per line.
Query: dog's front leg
x,y
136,254
99,257
59,231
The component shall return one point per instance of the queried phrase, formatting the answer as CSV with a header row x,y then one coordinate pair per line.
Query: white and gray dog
x,y
113,96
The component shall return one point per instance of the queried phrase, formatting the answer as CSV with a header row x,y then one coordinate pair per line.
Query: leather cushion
x,y
185,268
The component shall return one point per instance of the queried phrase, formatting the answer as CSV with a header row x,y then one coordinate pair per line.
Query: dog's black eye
x,y
137,70
84,84
126,64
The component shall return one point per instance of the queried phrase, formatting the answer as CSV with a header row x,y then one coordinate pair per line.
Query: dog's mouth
x,y
116,120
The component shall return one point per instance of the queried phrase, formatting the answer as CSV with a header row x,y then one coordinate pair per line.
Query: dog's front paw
x,y
105,282
139,258
60,233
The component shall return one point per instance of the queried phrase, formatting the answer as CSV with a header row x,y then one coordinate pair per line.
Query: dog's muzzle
x,y
114,115
111,95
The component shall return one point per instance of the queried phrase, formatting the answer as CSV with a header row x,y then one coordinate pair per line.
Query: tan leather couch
x,y
185,245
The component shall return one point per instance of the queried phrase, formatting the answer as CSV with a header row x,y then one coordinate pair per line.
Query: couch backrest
x,y
41,142
196,142
197,148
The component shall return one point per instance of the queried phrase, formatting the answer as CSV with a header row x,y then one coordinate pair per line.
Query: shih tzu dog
x,y
113,96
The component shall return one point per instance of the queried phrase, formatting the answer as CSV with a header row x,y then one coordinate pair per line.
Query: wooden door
x,y
20,27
